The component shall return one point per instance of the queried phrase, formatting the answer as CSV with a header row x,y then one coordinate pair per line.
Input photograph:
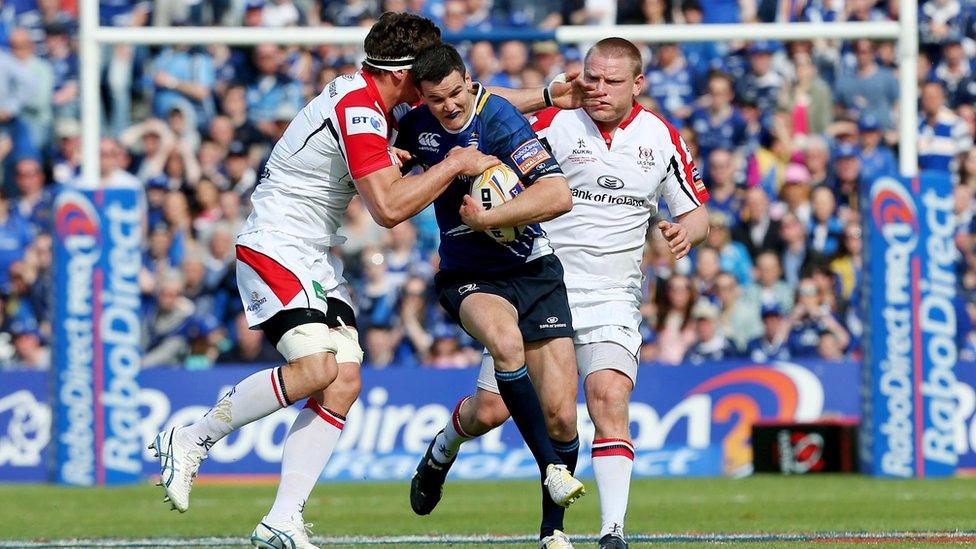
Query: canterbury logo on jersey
x,y
429,140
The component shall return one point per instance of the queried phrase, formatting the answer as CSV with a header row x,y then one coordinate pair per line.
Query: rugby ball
x,y
496,186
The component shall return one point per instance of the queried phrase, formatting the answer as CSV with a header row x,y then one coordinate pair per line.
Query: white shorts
x,y
277,271
591,356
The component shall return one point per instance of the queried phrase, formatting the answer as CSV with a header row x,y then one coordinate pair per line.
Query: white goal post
x,y
905,31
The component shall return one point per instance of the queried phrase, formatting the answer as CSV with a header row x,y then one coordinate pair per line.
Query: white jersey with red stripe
x,y
616,183
341,135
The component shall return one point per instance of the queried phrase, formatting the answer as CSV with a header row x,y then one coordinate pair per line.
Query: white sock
x,y
253,398
613,460
448,442
308,447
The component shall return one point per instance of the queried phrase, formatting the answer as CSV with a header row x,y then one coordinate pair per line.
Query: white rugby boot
x,y
179,462
564,488
290,534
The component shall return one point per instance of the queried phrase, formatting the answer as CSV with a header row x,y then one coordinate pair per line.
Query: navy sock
x,y
552,514
520,397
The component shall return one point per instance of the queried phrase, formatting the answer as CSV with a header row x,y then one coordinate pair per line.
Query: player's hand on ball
x,y
473,214
570,91
677,236
473,162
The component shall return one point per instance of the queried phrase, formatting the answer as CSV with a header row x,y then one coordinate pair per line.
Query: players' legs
x,y
314,434
608,385
306,342
552,363
493,321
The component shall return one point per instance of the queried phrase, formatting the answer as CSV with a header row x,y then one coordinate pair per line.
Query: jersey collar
x,y
373,90
634,111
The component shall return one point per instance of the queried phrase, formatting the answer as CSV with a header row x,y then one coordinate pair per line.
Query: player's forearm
x,y
525,100
696,223
547,199
404,197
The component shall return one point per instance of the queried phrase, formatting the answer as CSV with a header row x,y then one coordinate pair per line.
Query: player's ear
x,y
467,79
638,85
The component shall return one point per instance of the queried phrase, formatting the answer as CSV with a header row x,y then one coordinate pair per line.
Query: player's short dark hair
x,y
436,63
396,35
618,47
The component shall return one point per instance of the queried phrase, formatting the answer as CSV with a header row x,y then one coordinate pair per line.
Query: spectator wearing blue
x,y
166,323
15,237
723,190
156,189
539,14
718,125
732,256
938,20
877,158
796,253
183,78
850,183
809,320
826,230
270,88
16,90
955,72
671,82
29,348
343,13
118,61
38,111
769,286
821,11
702,57
942,135
869,88
771,344
761,80
512,58
64,63
711,344
34,199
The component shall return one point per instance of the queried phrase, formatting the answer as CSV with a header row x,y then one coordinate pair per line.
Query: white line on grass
x,y
508,540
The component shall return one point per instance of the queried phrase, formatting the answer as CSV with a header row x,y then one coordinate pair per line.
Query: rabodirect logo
x,y
75,215
892,204
786,392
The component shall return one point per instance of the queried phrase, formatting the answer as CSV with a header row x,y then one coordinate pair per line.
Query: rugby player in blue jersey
x,y
509,295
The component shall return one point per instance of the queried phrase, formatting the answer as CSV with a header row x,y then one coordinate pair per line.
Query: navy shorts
x,y
536,290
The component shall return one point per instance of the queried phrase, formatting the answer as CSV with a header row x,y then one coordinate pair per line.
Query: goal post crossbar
x,y
905,31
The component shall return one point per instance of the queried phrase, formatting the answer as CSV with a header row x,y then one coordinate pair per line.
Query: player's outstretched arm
x,y
567,91
546,199
689,230
392,198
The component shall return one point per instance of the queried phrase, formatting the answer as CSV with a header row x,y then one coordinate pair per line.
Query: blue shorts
x,y
536,290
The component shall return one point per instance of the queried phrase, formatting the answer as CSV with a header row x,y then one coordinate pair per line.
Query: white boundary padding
x,y
908,89
92,36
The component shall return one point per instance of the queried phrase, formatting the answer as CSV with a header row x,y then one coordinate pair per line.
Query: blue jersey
x,y
498,129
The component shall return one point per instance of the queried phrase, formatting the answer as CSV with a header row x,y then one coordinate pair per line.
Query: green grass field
x,y
762,504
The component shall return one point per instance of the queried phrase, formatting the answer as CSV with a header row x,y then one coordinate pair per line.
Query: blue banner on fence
x,y
97,336
686,421
909,405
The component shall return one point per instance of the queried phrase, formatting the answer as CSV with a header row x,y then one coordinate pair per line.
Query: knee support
x,y
305,340
347,345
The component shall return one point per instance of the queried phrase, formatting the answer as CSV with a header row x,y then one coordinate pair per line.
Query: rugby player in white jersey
x,y
293,288
619,159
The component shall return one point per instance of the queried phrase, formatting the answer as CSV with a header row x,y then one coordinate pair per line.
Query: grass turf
x,y
756,504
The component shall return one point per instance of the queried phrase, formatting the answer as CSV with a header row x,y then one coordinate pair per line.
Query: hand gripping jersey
x,y
498,129
341,135
616,186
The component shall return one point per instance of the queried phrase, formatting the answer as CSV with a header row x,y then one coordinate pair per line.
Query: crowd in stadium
x,y
786,135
